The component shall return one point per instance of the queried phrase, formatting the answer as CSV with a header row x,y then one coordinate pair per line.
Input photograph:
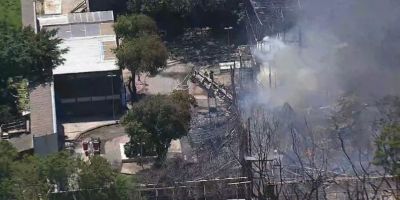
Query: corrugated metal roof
x,y
76,18
87,54
89,38
81,30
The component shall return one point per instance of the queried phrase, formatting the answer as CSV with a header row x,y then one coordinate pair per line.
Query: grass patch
x,y
10,12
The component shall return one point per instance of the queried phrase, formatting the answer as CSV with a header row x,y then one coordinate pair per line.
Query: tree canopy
x,y
387,153
132,26
182,7
10,13
141,51
25,56
154,6
28,54
160,119
175,15
33,177
143,54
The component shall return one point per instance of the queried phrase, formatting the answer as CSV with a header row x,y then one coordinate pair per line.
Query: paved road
x,y
164,82
106,134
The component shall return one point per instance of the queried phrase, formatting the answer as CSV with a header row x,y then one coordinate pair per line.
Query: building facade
x,y
88,86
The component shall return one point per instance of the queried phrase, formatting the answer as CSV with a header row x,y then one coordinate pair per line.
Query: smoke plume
x,y
345,46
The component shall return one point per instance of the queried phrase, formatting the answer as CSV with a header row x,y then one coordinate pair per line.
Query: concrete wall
x,y
43,118
46,144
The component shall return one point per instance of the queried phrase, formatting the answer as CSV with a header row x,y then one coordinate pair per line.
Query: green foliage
x,y
33,177
8,155
10,13
141,49
143,54
182,7
29,55
58,168
146,54
97,173
45,54
152,7
387,153
19,89
28,179
124,185
138,145
24,56
175,15
132,26
165,118
183,98
6,114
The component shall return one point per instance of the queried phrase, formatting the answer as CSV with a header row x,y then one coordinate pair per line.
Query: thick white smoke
x,y
347,46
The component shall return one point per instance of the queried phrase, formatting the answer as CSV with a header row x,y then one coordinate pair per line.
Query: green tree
x,y
45,54
96,175
6,114
25,54
184,99
165,118
125,188
133,26
10,13
387,152
33,177
8,155
175,15
59,168
139,141
28,179
146,54
152,7
28,54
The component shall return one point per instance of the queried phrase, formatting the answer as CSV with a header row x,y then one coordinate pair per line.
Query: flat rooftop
x,y
90,38
90,54
76,18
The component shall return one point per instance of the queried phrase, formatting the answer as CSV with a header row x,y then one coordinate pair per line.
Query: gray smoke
x,y
347,46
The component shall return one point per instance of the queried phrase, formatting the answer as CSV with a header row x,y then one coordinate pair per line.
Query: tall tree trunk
x,y
132,87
